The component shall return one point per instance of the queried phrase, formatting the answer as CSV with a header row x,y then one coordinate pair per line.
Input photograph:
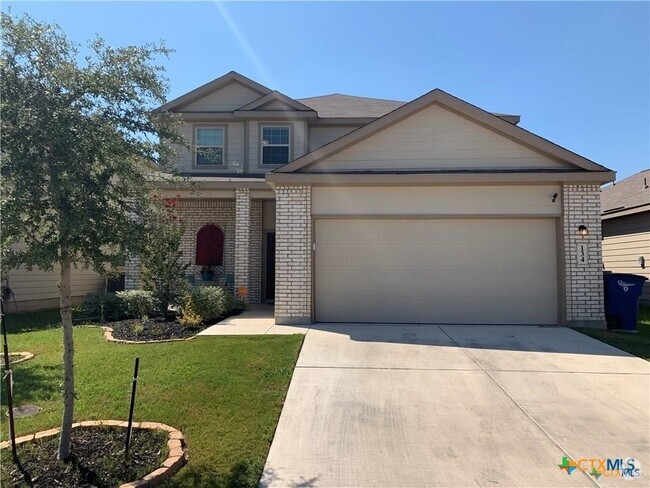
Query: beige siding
x,y
185,156
435,138
276,105
39,289
437,200
298,147
226,99
319,136
625,240
253,146
621,255
235,148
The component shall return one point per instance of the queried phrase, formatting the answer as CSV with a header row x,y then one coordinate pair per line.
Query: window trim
x,y
224,146
288,125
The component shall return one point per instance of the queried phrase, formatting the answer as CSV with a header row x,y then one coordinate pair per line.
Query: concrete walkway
x,y
257,320
423,406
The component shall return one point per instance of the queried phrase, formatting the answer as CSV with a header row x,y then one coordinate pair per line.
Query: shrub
x,y
163,269
190,319
239,305
105,306
137,327
211,302
138,303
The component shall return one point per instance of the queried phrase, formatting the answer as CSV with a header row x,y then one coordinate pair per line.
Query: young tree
x,y
79,143
163,269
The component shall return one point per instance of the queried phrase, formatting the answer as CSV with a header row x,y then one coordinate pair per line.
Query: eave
x,y
442,178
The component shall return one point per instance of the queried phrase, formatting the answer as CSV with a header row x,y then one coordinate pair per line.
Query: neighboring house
x,y
626,227
352,209
39,290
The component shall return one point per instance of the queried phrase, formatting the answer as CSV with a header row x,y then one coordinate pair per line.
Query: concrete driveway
x,y
416,406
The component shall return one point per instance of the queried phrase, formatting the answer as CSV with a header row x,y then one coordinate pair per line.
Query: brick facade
x,y
241,222
132,274
583,282
242,239
196,213
293,255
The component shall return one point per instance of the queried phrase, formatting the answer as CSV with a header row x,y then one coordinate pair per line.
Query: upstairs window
x,y
209,246
275,144
209,146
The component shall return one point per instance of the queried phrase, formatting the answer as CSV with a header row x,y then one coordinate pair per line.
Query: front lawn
x,y
224,393
637,344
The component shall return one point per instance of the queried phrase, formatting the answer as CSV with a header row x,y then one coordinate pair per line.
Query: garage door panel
x,y
447,310
436,271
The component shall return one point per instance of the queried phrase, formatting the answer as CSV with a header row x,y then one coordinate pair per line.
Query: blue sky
x,y
577,73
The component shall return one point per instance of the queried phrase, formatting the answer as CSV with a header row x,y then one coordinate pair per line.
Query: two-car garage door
x,y
454,271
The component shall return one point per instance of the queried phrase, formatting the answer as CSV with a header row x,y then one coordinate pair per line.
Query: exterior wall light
x,y
583,231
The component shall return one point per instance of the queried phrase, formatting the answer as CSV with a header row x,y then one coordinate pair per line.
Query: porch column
x,y
132,273
242,242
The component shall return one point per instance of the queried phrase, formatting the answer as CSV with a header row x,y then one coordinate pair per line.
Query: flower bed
x,y
156,453
155,329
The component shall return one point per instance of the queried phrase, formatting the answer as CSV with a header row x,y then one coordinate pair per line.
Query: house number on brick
x,y
582,254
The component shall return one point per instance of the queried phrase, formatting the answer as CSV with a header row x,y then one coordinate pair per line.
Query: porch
x,y
229,240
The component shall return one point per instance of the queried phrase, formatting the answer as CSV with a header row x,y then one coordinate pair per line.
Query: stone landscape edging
x,y
176,458
24,356
108,336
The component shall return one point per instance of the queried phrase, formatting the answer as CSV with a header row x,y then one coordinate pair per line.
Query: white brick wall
x,y
132,274
583,283
293,255
242,238
196,213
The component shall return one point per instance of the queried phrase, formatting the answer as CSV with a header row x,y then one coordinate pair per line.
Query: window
x,y
275,144
209,246
209,146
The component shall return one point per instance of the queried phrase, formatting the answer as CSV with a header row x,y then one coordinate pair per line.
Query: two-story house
x,y
349,209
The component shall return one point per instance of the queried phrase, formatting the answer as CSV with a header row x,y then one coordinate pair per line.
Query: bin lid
x,y
626,276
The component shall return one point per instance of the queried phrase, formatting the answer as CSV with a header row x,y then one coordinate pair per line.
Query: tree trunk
x,y
68,356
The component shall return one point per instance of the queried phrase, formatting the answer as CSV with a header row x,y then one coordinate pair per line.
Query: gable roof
x,y
454,104
272,97
228,78
338,105
628,196
343,106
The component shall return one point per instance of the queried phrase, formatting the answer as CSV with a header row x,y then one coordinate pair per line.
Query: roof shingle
x,y
632,192
339,105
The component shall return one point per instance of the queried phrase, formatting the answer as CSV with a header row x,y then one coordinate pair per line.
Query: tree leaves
x,y
79,138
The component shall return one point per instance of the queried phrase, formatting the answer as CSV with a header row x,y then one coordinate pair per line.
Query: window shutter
x,y
209,246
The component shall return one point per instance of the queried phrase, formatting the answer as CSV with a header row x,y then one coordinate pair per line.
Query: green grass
x,y
637,344
224,393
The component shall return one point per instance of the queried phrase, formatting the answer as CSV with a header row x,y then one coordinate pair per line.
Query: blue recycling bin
x,y
622,292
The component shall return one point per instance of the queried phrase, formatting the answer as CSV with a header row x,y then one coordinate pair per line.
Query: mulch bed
x,y
97,459
157,329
